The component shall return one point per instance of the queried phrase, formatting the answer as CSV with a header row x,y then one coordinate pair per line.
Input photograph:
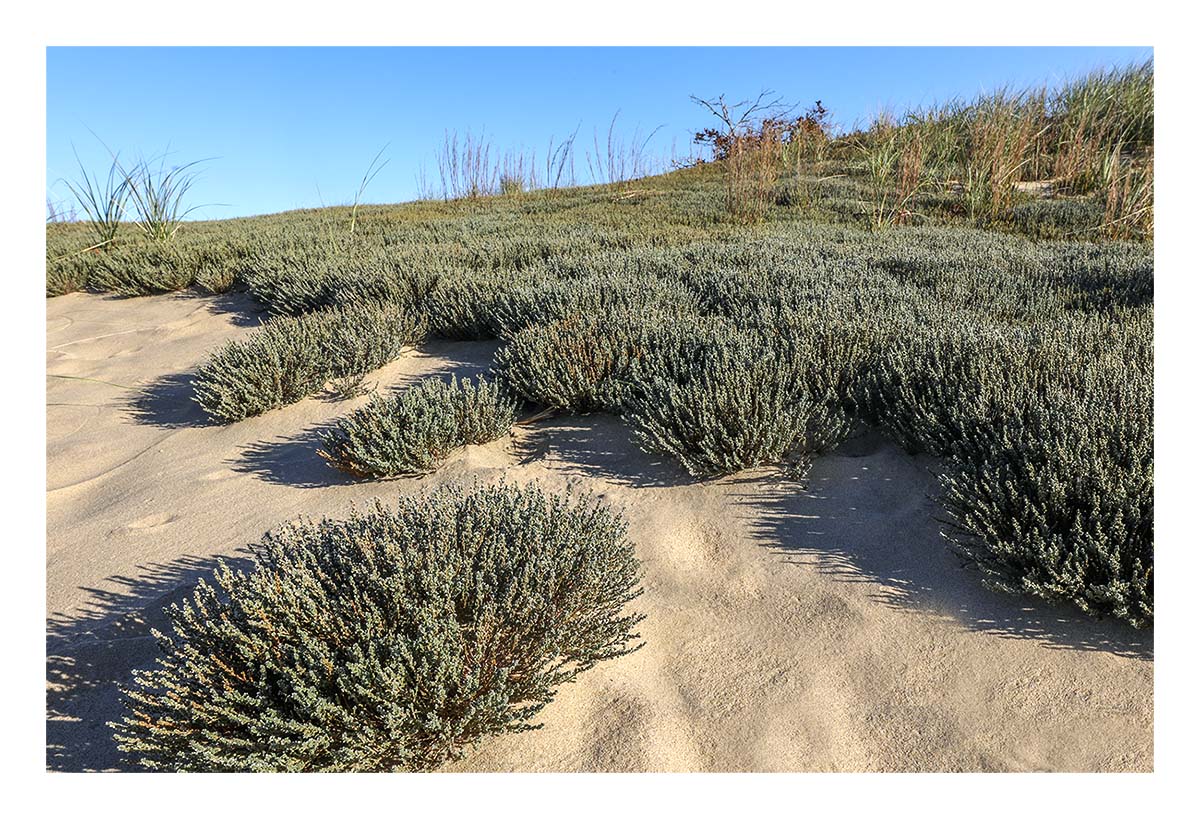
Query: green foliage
x,y
389,641
102,201
895,327
464,306
544,302
722,400
415,429
580,362
142,269
290,358
67,273
157,194
1058,218
1050,447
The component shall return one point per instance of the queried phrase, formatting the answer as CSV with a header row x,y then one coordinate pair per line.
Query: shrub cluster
x,y
618,302
415,429
579,362
722,400
389,641
288,358
1049,441
545,302
463,306
141,268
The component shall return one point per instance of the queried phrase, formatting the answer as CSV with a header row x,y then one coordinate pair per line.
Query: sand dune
x,y
811,628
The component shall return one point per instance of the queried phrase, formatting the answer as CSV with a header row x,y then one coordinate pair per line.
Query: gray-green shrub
x,y
1048,435
414,430
290,358
545,302
142,269
389,641
463,306
580,362
724,400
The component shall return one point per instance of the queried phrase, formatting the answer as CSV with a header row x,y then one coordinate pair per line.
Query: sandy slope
x,y
786,629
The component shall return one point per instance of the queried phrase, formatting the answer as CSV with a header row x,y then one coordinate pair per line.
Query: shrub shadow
x,y
597,446
92,652
241,308
167,402
291,461
873,518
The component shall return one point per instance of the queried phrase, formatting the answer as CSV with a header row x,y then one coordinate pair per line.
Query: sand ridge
x,y
788,627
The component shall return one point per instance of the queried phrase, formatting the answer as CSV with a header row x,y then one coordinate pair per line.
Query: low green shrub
x,y
724,400
309,276
1058,218
463,305
290,358
546,302
67,273
142,269
415,429
580,363
389,641
1056,494
1048,435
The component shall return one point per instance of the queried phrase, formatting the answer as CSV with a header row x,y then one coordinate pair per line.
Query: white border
x,y
610,23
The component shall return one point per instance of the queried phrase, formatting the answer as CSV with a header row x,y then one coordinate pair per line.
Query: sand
x,y
825,627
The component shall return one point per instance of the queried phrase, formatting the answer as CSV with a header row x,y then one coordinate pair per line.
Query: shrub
x,y
1058,218
580,362
67,273
389,641
308,277
415,429
462,306
291,358
1056,495
1049,439
724,400
546,302
141,270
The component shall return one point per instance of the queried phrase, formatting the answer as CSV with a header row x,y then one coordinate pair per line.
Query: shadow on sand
x,y
869,515
291,461
90,653
167,402
596,446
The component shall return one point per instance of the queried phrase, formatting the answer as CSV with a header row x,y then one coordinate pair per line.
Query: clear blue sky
x,y
284,123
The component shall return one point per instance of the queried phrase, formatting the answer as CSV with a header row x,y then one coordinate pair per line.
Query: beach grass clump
x,y
413,430
388,641
102,200
157,193
290,358
723,400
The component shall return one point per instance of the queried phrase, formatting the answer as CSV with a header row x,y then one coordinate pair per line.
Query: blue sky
x,y
297,127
